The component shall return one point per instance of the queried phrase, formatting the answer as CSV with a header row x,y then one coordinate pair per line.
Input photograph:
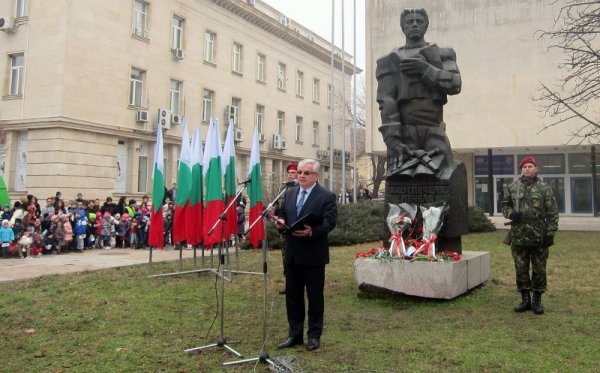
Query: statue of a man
x,y
413,84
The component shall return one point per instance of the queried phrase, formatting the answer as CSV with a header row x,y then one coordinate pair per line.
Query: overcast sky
x,y
316,15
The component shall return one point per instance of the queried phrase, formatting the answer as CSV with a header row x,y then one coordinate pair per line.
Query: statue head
x,y
414,23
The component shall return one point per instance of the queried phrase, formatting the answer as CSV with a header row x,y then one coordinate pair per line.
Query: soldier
x,y
531,207
413,84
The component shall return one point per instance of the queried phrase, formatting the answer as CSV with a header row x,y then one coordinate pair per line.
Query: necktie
x,y
300,202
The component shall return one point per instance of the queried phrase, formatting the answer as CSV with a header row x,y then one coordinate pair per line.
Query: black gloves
x,y
548,241
515,216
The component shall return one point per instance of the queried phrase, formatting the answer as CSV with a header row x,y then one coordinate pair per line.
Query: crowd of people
x,y
29,230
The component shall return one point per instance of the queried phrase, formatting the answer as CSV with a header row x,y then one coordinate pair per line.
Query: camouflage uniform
x,y
530,235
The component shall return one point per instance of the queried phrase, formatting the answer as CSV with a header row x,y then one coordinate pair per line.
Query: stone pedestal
x,y
439,280
449,187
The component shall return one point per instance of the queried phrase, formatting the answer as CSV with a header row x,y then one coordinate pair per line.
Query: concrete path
x,y
89,260
565,223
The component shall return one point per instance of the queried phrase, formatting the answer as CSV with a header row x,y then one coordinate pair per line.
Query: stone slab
x,y
438,280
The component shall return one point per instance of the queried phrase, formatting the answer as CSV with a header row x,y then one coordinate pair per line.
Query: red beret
x,y
292,166
528,159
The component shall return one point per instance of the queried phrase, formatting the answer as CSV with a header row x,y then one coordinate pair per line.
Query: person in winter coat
x,y
80,229
106,230
6,237
123,231
68,230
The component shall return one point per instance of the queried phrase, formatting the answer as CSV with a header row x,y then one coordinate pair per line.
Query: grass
x,y
119,320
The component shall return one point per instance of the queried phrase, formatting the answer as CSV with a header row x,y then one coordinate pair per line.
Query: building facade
x,y
86,83
502,62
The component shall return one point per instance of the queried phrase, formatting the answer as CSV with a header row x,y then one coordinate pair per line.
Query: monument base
x,y
438,280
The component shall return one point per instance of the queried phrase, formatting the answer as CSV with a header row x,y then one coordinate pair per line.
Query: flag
x,y
155,236
228,167
257,233
184,186
194,219
213,184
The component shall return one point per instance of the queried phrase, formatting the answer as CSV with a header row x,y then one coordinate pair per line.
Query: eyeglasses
x,y
305,173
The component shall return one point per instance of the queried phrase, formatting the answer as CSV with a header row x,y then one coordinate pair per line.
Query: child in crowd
x,y
98,230
107,227
36,247
133,230
80,229
58,232
6,237
168,225
24,245
123,231
68,231
6,215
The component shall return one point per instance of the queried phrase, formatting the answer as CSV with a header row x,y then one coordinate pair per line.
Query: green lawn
x,y
120,320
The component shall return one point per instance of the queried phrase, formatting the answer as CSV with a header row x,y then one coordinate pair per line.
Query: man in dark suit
x,y
307,253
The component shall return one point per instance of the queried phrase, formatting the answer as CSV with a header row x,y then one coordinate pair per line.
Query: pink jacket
x,y
68,231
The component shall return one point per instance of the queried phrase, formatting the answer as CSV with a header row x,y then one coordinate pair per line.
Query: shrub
x,y
478,222
358,223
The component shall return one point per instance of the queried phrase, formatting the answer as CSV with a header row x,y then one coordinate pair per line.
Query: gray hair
x,y
315,164
408,11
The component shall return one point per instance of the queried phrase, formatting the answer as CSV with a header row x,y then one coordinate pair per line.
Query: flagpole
x,y
343,113
331,95
354,169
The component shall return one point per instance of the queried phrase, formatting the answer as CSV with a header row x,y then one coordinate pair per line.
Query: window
x,y
236,103
175,95
143,174
177,31
299,121
17,70
315,133
140,18
136,87
329,136
315,90
329,96
236,58
207,100
299,83
281,76
210,39
547,163
21,8
581,163
260,117
260,67
280,123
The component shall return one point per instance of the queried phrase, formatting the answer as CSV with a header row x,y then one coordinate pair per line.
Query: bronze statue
x,y
413,84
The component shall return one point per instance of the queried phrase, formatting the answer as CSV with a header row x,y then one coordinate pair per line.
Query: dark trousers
x,y
299,277
534,257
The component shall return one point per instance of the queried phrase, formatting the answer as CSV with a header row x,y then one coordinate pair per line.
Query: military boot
x,y
525,302
536,303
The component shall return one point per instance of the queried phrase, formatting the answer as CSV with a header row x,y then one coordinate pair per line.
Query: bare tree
x,y
574,97
378,163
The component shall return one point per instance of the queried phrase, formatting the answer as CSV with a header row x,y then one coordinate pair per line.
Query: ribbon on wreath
x,y
397,247
427,247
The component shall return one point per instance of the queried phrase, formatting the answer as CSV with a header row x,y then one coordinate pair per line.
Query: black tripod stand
x,y
221,341
264,355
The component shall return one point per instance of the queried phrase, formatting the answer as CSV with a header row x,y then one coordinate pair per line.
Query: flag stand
x,y
221,341
264,355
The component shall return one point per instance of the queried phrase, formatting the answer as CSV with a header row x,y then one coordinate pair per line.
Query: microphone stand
x,y
221,341
264,355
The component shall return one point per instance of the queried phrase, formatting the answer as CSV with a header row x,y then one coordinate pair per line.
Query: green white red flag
x,y
184,187
213,185
156,230
257,232
195,211
228,167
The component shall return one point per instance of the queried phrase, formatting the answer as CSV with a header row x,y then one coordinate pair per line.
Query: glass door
x,y
558,187
581,195
500,183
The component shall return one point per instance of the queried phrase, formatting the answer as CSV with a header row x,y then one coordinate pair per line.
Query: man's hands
x,y
413,66
306,232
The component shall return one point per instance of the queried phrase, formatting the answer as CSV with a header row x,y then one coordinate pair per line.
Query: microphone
x,y
244,182
291,183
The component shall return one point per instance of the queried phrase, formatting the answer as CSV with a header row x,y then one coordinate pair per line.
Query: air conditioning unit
x,y
164,119
284,20
276,141
7,24
283,144
252,2
178,53
262,137
141,116
239,135
176,119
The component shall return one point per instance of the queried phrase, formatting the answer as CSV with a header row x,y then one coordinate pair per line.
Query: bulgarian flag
x,y
257,233
213,184
155,236
194,218
228,167
184,187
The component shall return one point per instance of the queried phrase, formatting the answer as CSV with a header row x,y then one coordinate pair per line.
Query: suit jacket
x,y
312,250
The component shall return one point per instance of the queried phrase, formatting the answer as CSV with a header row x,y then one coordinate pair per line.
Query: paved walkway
x,y
565,223
89,260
